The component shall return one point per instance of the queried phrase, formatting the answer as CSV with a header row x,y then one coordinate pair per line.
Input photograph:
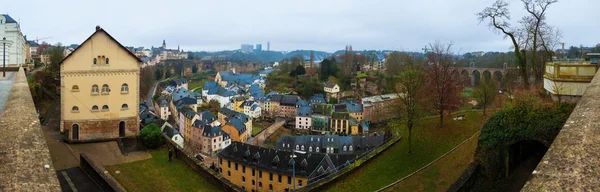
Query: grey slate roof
x,y
329,85
289,100
354,108
304,111
280,162
9,19
237,123
360,144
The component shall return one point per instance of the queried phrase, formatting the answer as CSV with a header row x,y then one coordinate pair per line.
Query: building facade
x,y
90,109
16,47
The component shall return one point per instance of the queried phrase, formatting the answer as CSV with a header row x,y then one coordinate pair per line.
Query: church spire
x,y
164,45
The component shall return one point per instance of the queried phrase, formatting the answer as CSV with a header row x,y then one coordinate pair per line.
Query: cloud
x,y
289,25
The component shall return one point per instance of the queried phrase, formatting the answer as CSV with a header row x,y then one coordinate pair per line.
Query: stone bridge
x,y
473,75
572,162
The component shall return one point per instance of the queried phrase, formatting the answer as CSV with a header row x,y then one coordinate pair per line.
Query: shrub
x,y
151,136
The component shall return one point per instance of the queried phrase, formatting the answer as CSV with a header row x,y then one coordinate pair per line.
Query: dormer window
x,y
275,161
344,148
302,148
350,148
317,149
297,147
310,149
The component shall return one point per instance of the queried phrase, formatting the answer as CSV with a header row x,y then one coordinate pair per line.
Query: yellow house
x,y
254,168
99,90
342,122
237,104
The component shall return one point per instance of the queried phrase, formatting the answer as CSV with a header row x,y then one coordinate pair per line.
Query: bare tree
x,y
393,63
559,89
499,15
534,24
409,91
442,85
486,93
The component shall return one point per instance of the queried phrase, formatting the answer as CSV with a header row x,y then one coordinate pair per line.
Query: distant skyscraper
x,y
247,48
258,47
268,46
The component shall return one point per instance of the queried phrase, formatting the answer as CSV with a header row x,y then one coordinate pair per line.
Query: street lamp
x,y
294,165
4,57
4,42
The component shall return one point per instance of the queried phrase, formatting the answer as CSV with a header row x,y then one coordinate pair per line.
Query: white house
x,y
177,138
303,117
332,88
15,47
164,110
252,109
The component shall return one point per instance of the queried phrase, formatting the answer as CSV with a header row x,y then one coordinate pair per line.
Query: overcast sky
x,y
326,25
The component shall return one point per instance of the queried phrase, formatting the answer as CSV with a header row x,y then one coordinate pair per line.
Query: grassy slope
x,y
441,174
157,174
429,143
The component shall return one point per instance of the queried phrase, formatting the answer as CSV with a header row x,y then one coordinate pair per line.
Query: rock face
x,y
23,151
572,162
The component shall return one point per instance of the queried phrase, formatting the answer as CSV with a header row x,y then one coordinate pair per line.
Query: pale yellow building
x,y
100,90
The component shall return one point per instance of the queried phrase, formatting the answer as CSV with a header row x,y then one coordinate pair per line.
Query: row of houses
x,y
296,161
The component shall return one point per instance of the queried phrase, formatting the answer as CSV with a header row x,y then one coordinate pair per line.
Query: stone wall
x,y
100,176
99,130
25,163
572,161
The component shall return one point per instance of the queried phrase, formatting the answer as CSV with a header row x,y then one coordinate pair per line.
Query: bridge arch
x,y
476,77
486,75
498,76
464,74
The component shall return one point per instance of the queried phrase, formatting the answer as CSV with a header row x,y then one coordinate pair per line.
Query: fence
x,y
99,174
199,167
318,183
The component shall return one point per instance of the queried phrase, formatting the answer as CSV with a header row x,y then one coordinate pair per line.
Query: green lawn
x,y
272,140
429,142
157,174
257,128
440,175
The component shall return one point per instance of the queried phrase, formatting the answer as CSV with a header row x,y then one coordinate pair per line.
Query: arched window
x,y
317,150
103,59
260,184
302,148
350,148
75,109
107,60
105,89
75,88
344,148
94,89
95,61
310,149
124,106
297,147
124,88
99,59
105,108
95,108
270,186
243,179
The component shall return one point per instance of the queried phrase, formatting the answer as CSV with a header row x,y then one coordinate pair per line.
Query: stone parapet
x,y
572,162
25,163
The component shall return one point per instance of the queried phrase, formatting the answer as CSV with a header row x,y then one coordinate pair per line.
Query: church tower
x,y
164,45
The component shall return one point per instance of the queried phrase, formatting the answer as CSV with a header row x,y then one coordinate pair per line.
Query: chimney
x,y
98,28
